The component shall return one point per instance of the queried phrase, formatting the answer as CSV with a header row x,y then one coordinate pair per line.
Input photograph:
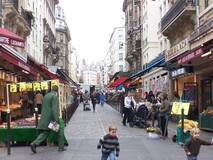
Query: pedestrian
x,y
24,104
192,146
128,100
94,100
163,110
38,101
102,98
157,102
86,98
49,113
109,144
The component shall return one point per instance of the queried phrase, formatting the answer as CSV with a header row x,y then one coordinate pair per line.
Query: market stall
x,y
206,119
25,129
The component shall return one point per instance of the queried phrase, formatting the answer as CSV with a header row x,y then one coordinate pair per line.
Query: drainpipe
x,y
197,13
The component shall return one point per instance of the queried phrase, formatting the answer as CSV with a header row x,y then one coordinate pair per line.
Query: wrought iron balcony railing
x,y
174,11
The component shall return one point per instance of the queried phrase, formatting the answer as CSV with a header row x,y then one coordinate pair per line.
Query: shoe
x,y
62,149
124,124
33,147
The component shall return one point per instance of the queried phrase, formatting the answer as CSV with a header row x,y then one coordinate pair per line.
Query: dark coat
x,y
50,110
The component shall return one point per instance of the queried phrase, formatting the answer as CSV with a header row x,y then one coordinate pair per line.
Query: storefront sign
x,y
178,49
190,56
201,30
178,72
24,66
181,71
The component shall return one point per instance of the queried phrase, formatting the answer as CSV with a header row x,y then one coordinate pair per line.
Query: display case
x,y
206,119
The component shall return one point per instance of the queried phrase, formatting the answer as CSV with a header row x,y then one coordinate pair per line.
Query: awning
x,y
54,76
155,64
135,81
66,77
10,57
117,82
10,38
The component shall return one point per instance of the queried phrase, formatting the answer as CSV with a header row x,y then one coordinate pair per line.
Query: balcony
x,y
19,20
182,11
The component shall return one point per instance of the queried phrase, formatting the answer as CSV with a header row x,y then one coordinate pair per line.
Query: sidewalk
x,y
86,128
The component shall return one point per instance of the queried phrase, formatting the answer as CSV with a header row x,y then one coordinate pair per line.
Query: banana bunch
x,y
153,129
188,124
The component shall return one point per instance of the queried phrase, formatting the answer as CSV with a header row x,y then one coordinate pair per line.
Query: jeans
x,y
191,158
111,155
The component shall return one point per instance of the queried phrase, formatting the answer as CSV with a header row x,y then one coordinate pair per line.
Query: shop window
x,y
206,3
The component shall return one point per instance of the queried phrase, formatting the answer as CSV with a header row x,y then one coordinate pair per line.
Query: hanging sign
x,y
54,82
177,107
22,86
13,88
36,86
29,86
44,85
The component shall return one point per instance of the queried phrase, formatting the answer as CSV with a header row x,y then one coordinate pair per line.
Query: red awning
x,y
10,38
117,82
133,82
10,57
54,76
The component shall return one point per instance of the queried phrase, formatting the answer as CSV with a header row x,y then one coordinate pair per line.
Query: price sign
x,y
36,86
13,88
54,83
23,86
44,85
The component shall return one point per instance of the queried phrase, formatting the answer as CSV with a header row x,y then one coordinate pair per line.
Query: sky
x,y
91,23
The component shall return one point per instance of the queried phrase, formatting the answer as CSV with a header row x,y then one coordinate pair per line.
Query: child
x,y
109,144
192,146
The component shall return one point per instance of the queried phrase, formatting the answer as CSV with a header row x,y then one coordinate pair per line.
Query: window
x,y
206,3
61,38
121,67
121,45
120,56
120,33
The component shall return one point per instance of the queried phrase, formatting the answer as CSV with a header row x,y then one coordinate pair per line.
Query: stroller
x,y
138,117
86,106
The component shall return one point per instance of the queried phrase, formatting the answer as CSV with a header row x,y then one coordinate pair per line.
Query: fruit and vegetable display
x,y
20,124
188,124
12,107
153,129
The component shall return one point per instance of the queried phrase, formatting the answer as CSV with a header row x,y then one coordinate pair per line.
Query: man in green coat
x,y
50,112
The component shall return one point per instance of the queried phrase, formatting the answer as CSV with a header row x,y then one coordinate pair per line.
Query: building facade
x,y
117,51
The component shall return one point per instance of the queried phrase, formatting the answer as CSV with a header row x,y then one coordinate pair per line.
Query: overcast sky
x,y
91,23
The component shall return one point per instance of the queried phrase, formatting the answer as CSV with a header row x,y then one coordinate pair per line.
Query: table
x,y
28,134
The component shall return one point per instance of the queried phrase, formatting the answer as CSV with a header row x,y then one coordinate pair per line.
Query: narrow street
x,y
86,128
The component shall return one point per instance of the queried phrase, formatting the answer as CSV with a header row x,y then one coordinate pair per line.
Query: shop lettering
x,y
4,40
190,56
17,43
24,66
178,49
178,72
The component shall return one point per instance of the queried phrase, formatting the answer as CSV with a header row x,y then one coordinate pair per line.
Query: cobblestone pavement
x,y
85,129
